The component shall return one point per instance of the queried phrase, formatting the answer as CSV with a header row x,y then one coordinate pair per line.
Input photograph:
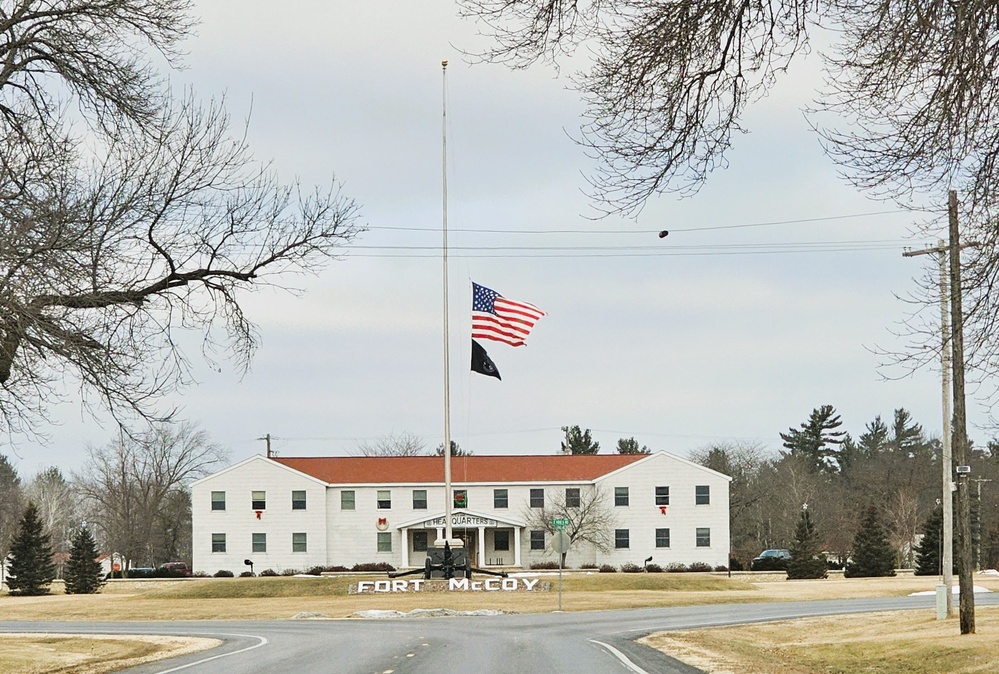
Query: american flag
x,y
495,317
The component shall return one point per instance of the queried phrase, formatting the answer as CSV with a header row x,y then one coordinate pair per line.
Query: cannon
x,y
446,563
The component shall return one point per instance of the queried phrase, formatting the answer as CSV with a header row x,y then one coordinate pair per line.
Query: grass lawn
x,y
827,645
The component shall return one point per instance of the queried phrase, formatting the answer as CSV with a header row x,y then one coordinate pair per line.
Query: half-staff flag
x,y
482,363
498,318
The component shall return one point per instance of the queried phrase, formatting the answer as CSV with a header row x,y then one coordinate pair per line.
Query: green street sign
x,y
560,523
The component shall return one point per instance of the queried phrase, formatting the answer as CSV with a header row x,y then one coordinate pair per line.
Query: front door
x,y
470,538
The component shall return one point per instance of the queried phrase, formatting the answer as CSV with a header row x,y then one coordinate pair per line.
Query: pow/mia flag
x,y
482,363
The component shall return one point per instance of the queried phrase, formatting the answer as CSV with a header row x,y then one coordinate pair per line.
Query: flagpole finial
x,y
444,63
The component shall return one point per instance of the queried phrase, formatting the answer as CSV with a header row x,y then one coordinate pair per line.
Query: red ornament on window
x,y
259,513
662,509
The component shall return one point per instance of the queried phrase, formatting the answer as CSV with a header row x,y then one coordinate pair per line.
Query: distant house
x,y
296,513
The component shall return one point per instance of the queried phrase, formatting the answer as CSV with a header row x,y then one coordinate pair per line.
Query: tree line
x,y
131,495
891,469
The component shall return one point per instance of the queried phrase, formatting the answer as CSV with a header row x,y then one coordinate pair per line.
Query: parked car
x,y
175,569
771,560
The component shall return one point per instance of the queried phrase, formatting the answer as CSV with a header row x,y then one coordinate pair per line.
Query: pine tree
x,y
578,441
807,561
818,440
83,572
31,565
872,554
928,562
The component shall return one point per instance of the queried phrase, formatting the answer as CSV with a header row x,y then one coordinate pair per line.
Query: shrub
x,y
676,567
653,568
607,568
373,566
628,567
588,566
268,572
247,574
200,574
223,573
735,564
290,572
699,567
721,568
544,565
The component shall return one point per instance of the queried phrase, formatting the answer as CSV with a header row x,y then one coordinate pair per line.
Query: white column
x,y
482,548
516,546
405,547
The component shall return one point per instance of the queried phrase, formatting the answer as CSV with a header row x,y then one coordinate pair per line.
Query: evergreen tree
x,y
872,554
928,562
31,565
83,573
807,560
578,441
630,446
818,439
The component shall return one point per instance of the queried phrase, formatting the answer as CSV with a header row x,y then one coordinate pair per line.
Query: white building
x,y
296,513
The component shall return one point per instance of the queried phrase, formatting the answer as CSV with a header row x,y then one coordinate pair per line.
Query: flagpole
x,y
447,366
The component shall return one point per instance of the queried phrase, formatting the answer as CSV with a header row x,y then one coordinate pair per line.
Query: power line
x,y
642,231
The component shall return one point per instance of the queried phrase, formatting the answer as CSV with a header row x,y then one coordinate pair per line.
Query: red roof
x,y
464,469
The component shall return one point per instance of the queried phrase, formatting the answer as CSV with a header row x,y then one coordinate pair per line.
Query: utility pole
x,y
965,568
946,461
267,439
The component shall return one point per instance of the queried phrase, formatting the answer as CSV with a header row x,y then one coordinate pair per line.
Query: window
x,y
501,498
621,496
419,499
662,496
384,499
347,499
703,537
501,540
300,542
259,543
622,538
384,541
218,500
258,500
537,498
662,538
218,542
460,498
538,539
702,494
420,541
298,500
572,497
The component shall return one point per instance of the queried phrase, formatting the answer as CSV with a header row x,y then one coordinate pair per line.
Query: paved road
x,y
571,643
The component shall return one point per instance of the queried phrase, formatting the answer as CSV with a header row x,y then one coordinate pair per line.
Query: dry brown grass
x,y
97,654
901,642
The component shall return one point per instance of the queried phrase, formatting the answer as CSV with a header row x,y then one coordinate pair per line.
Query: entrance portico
x,y
470,526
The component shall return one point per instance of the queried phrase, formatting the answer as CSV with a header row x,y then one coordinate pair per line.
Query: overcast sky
x,y
721,332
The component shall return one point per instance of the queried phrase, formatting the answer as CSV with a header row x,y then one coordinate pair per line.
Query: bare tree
x,y
57,504
133,485
591,520
150,220
401,444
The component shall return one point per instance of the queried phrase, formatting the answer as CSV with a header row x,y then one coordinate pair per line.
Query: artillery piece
x,y
446,563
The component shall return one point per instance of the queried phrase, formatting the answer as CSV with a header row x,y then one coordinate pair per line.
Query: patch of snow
x,y
954,590
423,613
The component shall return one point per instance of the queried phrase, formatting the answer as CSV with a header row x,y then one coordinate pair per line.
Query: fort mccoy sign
x,y
450,585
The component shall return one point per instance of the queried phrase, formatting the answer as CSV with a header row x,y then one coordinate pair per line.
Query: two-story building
x,y
299,512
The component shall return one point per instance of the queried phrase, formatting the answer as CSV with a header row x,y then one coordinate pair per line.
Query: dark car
x,y
175,569
771,560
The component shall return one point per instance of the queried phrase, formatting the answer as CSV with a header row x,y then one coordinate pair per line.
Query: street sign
x,y
560,542
560,523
